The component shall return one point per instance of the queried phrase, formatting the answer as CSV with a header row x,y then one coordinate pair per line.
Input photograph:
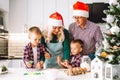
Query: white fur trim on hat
x,y
54,22
81,13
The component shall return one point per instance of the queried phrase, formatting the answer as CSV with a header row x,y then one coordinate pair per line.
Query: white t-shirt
x,y
35,54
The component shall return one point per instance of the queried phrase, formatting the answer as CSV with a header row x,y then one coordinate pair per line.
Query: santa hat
x,y
55,19
80,9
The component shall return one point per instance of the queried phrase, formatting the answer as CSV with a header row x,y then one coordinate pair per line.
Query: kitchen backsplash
x,y
19,40
16,44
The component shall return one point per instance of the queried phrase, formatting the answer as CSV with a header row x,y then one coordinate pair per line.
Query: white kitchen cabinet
x,y
16,63
12,63
4,62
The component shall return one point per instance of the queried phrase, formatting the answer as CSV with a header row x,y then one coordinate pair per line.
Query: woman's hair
x,y
35,30
80,42
49,36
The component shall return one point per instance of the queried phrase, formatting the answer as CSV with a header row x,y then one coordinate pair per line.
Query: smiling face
x,y
81,21
34,39
56,29
75,48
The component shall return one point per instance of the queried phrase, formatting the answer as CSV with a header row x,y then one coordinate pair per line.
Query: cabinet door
x,y
4,62
17,63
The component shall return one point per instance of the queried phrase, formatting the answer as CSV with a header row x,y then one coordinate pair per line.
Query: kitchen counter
x,y
10,57
33,74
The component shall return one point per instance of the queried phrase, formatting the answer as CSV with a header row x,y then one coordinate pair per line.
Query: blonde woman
x,y
56,39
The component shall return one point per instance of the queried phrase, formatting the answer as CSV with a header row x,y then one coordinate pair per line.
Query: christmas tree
x,y
110,50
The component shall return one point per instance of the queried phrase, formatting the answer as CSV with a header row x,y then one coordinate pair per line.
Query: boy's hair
x,y
80,42
35,30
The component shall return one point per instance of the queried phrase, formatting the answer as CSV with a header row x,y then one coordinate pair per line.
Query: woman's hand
x,y
66,64
63,64
47,55
39,65
59,61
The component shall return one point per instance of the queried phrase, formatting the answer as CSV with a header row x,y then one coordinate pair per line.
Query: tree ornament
x,y
114,2
110,18
118,44
115,30
110,57
113,40
115,47
107,26
104,54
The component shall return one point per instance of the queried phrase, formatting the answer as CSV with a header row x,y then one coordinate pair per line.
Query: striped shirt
x,y
90,35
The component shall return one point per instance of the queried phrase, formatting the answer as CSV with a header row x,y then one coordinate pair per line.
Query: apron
x,y
55,49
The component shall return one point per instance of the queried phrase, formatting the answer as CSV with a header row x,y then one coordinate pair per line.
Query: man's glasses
x,y
77,17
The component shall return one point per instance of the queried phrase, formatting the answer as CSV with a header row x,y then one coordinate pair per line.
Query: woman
x,y
56,39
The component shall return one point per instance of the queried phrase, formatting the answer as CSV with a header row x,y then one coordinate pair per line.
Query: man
x,y
84,29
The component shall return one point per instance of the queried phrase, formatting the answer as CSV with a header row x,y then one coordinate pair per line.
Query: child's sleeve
x,y
26,54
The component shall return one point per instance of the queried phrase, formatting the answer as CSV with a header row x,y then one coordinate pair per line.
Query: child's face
x,y
75,48
34,39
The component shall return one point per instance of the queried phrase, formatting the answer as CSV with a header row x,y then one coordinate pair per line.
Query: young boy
x,y
34,52
76,48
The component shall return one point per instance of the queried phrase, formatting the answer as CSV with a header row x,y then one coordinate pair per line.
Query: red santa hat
x,y
80,9
55,19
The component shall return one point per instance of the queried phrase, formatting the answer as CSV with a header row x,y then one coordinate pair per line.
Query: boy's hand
x,y
47,55
28,64
39,65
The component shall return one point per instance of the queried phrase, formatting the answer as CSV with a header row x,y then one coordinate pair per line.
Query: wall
x,y
17,15
91,1
36,12
4,4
